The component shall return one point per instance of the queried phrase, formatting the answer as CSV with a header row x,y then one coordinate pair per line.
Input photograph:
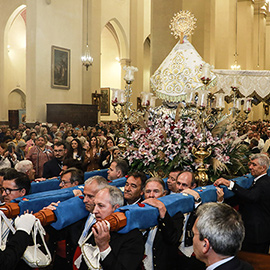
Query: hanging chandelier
x,y
87,59
235,66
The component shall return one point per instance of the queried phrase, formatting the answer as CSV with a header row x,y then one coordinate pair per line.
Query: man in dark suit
x,y
117,251
253,146
63,243
134,186
171,182
218,233
186,184
53,167
254,205
161,247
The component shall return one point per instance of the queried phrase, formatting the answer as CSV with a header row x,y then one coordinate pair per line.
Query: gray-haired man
x,y
218,233
254,205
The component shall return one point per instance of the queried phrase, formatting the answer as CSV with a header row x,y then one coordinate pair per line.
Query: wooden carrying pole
x,y
46,216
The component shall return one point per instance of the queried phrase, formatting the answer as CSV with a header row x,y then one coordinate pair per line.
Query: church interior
x,y
119,33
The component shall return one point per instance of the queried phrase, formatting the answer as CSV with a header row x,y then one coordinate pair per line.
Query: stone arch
x,y
114,53
16,99
7,56
146,63
15,58
122,38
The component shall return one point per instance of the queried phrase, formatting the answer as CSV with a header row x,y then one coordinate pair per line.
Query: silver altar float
x,y
185,80
187,87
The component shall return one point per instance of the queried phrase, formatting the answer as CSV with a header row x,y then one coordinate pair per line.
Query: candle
x,y
202,99
190,97
153,102
220,103
238,104
115,96
206,68
146,97
247,105
122,97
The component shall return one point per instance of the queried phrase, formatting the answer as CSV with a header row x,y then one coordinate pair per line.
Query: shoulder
x,y
235,264
264,180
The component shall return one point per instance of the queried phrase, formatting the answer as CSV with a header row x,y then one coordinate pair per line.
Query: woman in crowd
x,y
107,155
8,137
92,155
8,159
85,134
67,134
80,137
40,154
116,152
31,142
18,138
76,151
93,132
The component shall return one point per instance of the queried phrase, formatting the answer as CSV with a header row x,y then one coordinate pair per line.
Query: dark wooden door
x,y
13,118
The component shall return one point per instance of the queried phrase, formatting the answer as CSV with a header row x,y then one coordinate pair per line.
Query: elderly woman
x,y
26,166
20,150
40,154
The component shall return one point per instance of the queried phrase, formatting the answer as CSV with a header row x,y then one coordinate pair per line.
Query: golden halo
x,y
183,24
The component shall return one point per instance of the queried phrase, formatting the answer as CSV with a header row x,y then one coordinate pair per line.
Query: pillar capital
x,y
125,62
260,7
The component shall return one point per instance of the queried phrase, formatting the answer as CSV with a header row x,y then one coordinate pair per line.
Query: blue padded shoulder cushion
x,y
146,216
102,172
50,184
69,212
36,202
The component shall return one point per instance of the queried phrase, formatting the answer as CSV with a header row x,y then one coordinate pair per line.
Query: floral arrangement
x,y
163,143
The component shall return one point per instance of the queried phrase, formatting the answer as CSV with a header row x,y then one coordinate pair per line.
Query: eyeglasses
x,y
58,151
9,190
64,182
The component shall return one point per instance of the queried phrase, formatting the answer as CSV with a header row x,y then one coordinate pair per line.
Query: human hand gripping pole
x,y
25,222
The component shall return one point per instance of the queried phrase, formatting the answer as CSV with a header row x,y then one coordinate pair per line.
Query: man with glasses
x,y
217,236
71,177
53,167
15,185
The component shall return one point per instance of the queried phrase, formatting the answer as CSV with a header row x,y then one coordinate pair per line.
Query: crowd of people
x,y
210,236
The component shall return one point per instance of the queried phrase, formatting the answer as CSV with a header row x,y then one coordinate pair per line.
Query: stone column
x,y
259,34
225,33
136,46
245,33
91,78
267,41
31,63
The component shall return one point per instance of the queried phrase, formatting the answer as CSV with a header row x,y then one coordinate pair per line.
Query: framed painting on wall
x,y
105,101
60,77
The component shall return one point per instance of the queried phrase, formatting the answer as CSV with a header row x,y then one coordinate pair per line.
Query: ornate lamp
x,y
87,59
